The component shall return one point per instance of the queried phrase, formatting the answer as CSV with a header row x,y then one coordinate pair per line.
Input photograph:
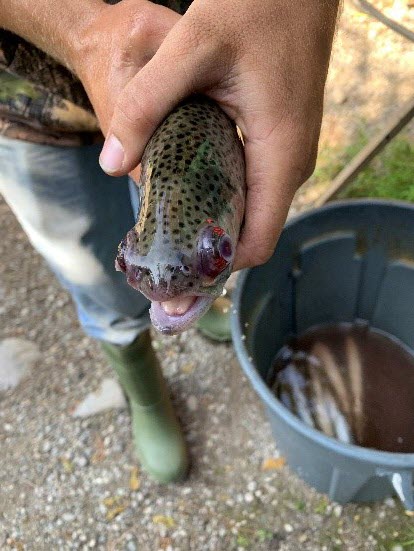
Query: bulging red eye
x,y
226,248
215,251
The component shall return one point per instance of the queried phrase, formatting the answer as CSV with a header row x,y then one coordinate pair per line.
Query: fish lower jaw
x,y
176,315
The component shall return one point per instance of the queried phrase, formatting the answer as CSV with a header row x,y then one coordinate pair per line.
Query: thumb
x,y
142,105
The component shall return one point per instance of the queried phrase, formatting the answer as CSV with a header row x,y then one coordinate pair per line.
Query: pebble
x,y
389,502
17,356
192,403
81,461
108,396
46,446
288,528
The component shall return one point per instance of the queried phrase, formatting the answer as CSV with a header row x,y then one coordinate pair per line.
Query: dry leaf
x,y
272,463
15,544
100,453
169,522
164,543
67,465
115,505
134,481
188,368
112,513
111,501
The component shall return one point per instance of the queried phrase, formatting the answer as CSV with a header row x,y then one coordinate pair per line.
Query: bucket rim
x,y
394,460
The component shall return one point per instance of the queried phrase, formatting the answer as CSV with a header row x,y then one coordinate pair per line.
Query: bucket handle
x,y
402,482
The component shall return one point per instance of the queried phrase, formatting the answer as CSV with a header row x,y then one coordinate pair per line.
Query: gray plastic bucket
x,y
346,261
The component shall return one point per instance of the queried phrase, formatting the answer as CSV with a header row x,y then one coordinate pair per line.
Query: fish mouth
x,y
175,315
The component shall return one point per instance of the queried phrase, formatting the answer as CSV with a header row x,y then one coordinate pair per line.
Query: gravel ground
x,y
73,483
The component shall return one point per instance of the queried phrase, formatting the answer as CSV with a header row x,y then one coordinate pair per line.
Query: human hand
x,y
117,43
265,63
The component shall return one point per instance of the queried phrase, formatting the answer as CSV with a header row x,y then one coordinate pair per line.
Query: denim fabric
x,y
75,215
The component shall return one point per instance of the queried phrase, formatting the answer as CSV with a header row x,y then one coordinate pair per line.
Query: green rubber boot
x,y
158,438
215,324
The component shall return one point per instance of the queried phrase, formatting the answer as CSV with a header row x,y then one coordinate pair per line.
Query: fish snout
x,y
142,279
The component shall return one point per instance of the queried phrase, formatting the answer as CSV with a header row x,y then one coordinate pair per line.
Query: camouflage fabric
x,y
40,100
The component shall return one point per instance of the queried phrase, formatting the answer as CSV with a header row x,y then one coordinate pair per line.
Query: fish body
x,y
192,190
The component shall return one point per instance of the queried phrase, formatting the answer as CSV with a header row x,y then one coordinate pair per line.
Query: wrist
x,y
54,26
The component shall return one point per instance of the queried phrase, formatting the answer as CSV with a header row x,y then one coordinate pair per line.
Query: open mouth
x,y
176,315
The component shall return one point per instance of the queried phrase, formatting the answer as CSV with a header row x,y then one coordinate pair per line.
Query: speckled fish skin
x,y
192,193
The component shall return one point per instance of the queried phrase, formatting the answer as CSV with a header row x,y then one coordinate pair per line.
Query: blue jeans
x,y
75,215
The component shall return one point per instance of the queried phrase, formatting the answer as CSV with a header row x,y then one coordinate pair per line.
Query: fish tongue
x,y
177,306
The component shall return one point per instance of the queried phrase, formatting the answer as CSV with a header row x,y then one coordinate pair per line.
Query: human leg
x,y
75,216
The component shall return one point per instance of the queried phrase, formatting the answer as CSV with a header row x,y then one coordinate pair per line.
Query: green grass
x,y
407,540
332,160
390,175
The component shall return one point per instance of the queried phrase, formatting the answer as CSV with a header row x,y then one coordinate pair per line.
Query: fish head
x,y
181,273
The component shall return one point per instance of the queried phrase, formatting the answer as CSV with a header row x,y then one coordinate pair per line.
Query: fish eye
x,y
215,250
226,248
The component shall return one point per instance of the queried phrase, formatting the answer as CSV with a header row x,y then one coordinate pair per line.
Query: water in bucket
x,y
350,381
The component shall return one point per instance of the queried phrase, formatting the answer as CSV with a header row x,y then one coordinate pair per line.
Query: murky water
x,y
351,382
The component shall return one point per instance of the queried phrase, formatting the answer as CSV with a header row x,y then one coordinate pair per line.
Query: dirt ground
x,y
72,482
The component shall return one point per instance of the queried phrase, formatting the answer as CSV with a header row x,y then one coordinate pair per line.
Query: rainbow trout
x,y
192,192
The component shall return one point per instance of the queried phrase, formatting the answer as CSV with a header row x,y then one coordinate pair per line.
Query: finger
x,y
275,168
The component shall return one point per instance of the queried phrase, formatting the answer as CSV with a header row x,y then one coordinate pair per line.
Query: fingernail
x,y
112,155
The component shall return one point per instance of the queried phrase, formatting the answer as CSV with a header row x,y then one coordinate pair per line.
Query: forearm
x,y
54,26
